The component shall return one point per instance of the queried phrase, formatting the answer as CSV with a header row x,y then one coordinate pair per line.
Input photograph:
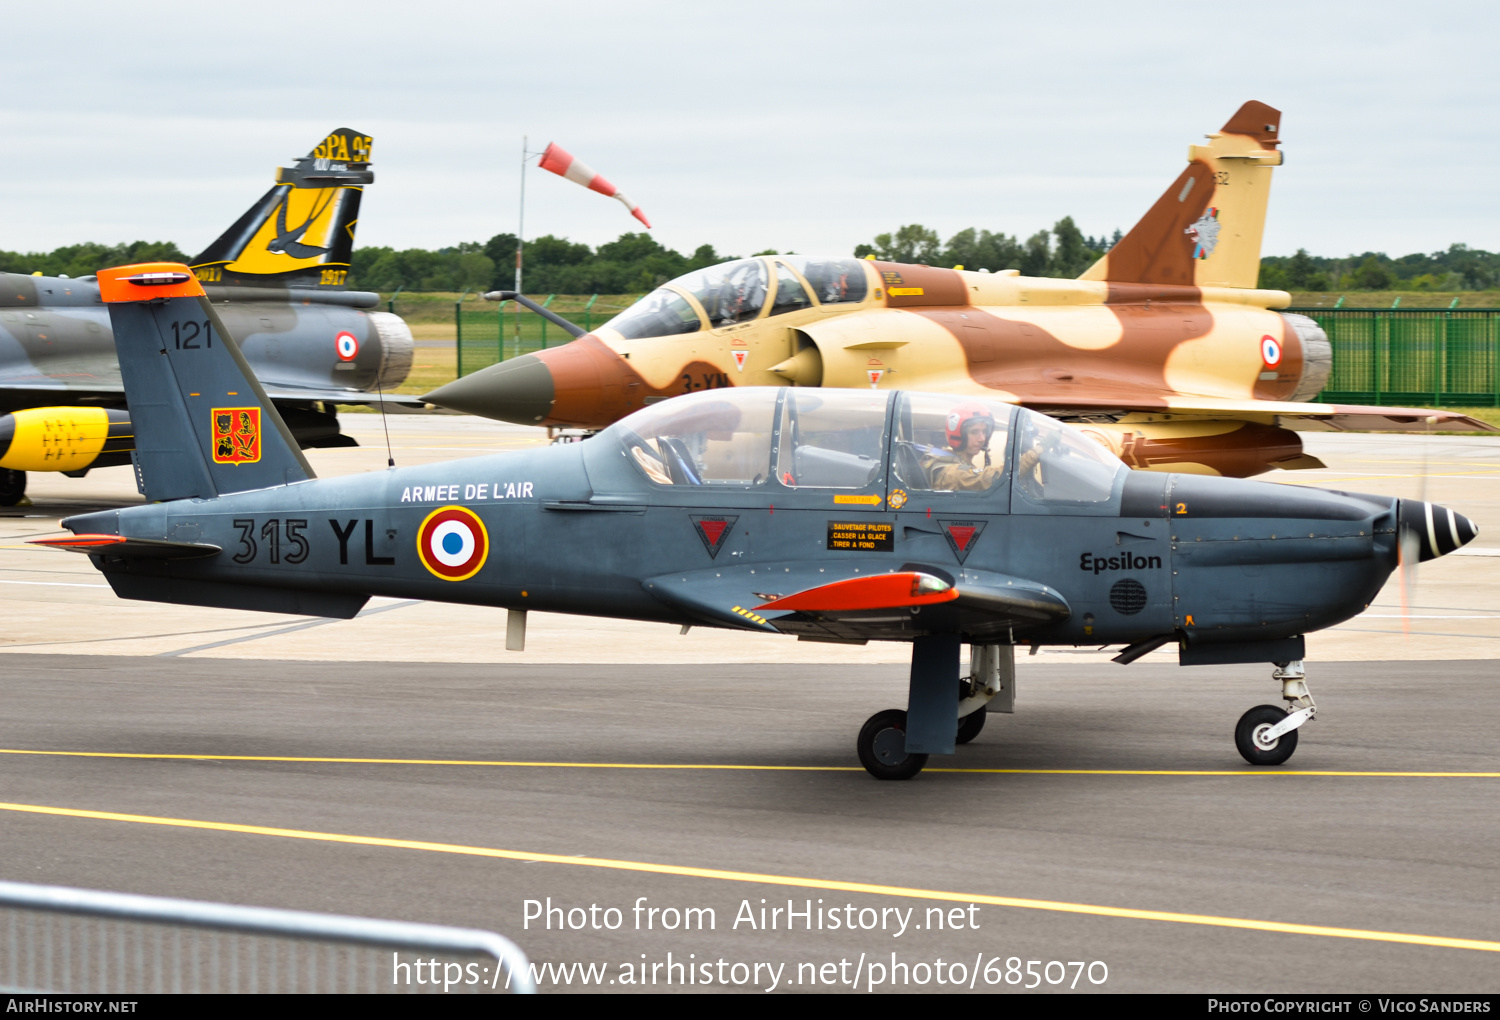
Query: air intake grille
x,y
1128,596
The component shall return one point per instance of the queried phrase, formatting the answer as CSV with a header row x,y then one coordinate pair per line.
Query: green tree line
x,y
1458,268
86,259
1064,251
637,262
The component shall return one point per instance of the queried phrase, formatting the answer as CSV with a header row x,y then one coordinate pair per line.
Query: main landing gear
x,y
12,487
895,744
1267,735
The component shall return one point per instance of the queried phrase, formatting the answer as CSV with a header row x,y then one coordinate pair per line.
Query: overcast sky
x,y
808,126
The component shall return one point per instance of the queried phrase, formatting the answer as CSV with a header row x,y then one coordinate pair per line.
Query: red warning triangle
x,y
962,536
739,359
714,531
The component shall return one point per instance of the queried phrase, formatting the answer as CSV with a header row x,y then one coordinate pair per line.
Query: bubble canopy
x,y
740,291
796,438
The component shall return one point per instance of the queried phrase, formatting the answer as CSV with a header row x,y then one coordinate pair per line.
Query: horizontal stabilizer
x,y
136,548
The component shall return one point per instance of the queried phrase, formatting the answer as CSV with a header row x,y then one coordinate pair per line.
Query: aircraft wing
x,y
842,602
341,395
1297,416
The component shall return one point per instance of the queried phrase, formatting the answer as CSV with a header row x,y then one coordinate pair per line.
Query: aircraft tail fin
x,y
301,232
203,425
1206,228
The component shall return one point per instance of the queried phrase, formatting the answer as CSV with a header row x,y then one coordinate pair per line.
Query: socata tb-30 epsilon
x,y
834,515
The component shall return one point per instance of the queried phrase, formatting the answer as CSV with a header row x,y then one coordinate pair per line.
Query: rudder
x,y
301,232
1206,229
203,425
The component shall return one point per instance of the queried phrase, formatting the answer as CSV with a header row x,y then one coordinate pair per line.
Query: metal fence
x,y
1422,356
61,940
489,333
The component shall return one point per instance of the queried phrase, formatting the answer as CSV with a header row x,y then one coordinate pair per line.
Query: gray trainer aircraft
x,y
278,277
832,515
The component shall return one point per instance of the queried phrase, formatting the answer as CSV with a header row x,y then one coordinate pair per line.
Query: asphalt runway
x,y
193,780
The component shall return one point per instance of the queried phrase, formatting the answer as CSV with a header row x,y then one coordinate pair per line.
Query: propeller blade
x,y
1409,548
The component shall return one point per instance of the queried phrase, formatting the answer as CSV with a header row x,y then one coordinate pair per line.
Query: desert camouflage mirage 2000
x,y
278,278
1163,350
834,515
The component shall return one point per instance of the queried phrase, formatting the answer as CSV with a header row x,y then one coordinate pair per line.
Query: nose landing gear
x,y
1267,735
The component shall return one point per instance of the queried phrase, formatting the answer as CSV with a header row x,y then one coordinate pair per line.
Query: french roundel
x,y
452,543
347,345
1270,351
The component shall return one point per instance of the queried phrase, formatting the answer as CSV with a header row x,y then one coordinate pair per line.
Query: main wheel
x,y
882,747
1253,747
970,725
12,486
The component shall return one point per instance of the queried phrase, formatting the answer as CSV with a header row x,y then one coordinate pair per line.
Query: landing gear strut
x,y
1267,735
895,745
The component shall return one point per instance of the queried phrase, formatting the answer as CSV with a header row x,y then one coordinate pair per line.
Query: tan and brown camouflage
x,y
1163,350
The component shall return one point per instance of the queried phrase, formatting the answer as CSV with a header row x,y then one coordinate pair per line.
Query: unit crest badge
x,y
236,435
1204,233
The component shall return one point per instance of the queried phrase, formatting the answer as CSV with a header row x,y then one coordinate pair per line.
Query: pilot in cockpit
x,y
967,465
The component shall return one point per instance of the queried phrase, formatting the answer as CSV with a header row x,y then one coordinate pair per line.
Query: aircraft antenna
x,y
390,460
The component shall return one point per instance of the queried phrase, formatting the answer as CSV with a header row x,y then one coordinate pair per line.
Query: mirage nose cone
x,y
519,390
1437,529
583,384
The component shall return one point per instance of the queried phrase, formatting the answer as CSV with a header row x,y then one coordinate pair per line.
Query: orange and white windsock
x,y
562,163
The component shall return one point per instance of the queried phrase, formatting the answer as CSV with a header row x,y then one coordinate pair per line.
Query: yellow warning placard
x,y
862,536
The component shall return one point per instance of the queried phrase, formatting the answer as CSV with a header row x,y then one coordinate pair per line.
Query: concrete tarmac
x,y
1173,822
1155,851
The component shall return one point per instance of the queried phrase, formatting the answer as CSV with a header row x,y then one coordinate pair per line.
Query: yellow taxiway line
x,y
746,768
778,880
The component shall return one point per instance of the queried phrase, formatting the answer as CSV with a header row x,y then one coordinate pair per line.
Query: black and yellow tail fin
x,y
1205,230
301,232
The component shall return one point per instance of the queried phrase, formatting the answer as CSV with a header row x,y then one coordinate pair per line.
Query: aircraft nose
x,y
519,390
1437,529
582,384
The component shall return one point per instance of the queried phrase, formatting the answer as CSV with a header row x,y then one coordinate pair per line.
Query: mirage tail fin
x,y
203,425
1205,230
301,232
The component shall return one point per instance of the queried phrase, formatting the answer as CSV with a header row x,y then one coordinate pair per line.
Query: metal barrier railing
x,y
1447,357
58,939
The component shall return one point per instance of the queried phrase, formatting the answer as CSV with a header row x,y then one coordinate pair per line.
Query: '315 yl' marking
x,y
271,534
343,533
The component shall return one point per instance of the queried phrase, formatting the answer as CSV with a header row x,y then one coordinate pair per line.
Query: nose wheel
x,y
1267,735
1252,736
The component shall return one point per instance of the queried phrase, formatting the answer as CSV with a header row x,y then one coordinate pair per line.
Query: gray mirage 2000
x,y
833,515
277,276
